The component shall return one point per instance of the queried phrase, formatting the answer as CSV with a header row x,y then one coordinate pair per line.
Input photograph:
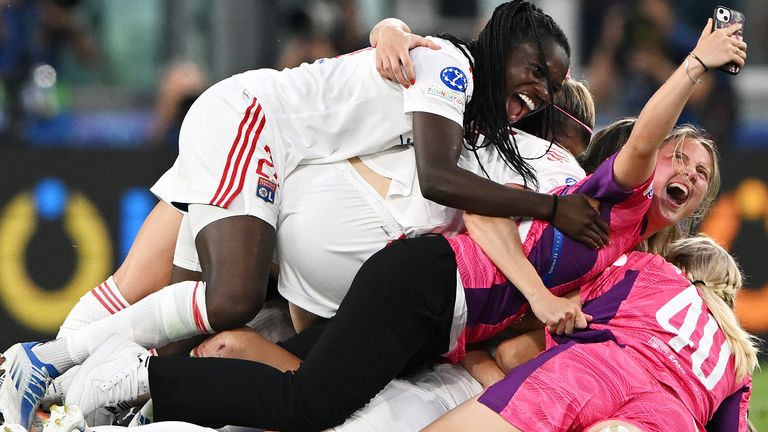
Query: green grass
x,y
758,406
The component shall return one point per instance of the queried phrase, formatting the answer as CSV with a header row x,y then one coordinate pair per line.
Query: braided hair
x,y
512,23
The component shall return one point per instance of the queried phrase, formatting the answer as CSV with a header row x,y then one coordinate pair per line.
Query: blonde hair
x,y
659,242
575,99
707,263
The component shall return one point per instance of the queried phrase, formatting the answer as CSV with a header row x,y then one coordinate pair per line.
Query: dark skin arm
x,y
439,142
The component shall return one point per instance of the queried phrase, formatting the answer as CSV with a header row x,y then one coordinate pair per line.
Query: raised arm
x,y
500,240
393,40
637,159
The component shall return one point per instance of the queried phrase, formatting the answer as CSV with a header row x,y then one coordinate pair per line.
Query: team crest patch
x,y
266,190
457,99
454,78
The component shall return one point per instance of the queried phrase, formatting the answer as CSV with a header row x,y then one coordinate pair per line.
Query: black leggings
x,y
397,315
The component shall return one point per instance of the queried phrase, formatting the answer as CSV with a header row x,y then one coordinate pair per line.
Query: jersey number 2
x,y
691,300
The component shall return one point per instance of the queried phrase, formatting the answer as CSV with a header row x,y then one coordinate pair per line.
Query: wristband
x,y
706,69
554,209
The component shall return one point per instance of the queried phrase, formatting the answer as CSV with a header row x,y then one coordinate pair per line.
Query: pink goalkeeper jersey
x,y
646,306
493,303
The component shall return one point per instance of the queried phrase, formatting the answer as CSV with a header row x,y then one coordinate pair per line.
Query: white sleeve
x,y
443,82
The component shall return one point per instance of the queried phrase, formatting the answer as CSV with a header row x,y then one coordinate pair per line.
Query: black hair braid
x,y
512,23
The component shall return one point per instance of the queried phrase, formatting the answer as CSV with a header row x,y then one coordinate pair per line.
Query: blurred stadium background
x,y
92,93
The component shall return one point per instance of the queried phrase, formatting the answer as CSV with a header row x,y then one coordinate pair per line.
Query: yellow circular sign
x,y
42,310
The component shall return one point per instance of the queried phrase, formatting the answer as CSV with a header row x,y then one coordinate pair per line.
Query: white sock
x,y
174,313
98,303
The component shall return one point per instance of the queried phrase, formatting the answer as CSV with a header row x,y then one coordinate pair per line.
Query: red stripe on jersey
x,y
251,149
232,150
110,295
229,194
101,300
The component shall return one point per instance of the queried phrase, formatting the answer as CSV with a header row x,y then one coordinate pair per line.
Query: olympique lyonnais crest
x,y
266,190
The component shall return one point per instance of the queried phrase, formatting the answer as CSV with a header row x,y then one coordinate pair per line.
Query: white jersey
x,y
244,135
553,166
338,108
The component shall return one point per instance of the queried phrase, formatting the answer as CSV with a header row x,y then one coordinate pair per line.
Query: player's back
x,y
338,108
648,306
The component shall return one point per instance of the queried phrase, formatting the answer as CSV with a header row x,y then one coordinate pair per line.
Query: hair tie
x,y
570,116
699,281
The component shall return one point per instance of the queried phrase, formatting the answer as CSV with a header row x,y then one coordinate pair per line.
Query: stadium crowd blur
x,y
93,73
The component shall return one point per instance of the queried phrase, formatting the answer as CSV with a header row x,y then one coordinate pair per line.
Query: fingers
x,y
569,323
707,28
732,29
424,42
400,77
603,229
581,320
410,75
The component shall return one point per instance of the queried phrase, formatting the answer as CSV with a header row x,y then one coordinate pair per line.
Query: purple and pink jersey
x,y
653,338
493,303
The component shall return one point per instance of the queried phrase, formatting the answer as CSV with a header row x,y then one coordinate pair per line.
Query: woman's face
x,y
526,85
680,183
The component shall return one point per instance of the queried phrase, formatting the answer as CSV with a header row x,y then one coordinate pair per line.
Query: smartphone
x,y
725,17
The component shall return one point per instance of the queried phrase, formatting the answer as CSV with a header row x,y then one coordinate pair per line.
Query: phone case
x,y
724,17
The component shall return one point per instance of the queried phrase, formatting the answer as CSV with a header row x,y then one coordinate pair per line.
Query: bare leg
x,y
247,344
613,426
518,350
302,319
147,268
471,415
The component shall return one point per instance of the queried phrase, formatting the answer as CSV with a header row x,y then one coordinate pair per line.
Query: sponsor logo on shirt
x,y
454,78
456,99
649,192
266,190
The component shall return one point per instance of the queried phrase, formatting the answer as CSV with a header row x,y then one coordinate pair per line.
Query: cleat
x,y
113,377
67,418
25,383
58,388
144,416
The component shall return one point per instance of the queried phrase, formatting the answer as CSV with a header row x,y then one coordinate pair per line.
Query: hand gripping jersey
x,y
493,303
652,338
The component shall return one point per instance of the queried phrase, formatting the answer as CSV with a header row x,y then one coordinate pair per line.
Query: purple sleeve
x,y
731,415
602,185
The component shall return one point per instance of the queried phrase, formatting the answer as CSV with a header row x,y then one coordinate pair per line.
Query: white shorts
x,y
227,149
413,403
192,222
330,223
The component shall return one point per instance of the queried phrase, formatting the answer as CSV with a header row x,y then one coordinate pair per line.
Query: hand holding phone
x,y
725,17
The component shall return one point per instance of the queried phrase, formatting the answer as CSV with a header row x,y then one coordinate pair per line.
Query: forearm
x,y
455,187
501,242
483,367
636,161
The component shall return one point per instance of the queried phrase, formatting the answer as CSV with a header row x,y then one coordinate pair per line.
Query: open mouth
x,y
519,105
677,193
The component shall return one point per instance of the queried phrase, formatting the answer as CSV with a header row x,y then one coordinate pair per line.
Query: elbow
x,y
435,191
